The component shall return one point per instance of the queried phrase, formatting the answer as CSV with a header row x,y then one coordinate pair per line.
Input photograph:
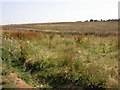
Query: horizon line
x,y
61,21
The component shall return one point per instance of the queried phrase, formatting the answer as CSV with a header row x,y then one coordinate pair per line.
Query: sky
x,y
40,11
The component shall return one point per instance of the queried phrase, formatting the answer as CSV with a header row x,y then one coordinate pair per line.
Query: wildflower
x,y
28,42
9,50
41,85
85,38
15,50
79,51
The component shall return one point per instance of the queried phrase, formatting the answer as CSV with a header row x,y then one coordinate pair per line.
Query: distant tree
x,y
103,20
108,20
91,20
112,20
95,20
86,20
78,21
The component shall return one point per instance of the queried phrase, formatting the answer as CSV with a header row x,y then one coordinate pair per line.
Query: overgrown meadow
x,y
55,60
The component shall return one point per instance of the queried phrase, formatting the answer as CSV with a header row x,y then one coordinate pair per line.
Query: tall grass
x,y
63,59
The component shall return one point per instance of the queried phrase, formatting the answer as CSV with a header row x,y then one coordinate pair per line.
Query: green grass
x,y
65,60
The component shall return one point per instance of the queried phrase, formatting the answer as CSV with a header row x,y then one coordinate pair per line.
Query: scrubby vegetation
x,y
53,60
69,55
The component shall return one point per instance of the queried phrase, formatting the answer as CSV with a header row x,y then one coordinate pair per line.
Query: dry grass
x,y
77,54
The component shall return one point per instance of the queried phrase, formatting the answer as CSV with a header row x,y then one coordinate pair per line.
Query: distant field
x,y
108,27
60,55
